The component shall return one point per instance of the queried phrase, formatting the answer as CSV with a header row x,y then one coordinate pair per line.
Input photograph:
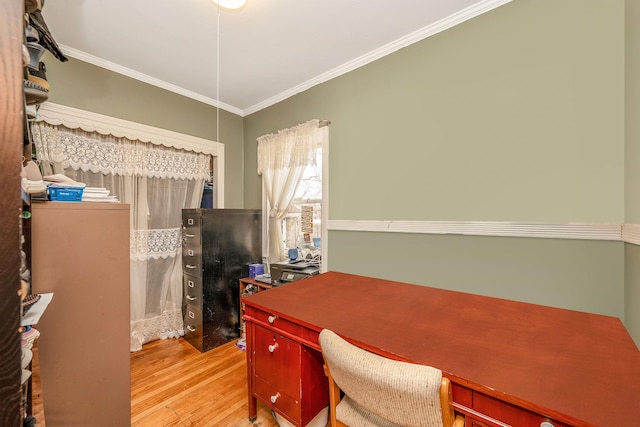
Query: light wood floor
x,y
173,384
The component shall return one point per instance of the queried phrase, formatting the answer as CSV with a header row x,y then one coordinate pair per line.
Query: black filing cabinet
x,y
217,247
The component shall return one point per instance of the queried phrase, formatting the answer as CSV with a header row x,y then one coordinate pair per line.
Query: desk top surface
x,y
576,367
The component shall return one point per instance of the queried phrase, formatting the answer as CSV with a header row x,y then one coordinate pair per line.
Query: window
x,y
302,227
293,165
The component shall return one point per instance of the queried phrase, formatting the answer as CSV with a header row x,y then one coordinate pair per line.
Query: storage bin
x,y
65,194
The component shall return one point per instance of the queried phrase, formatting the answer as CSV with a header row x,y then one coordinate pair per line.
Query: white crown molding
x,y
584,231
418,35
477,9
99,62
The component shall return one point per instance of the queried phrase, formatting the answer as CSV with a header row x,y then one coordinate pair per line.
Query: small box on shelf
x,y
65,194
255,270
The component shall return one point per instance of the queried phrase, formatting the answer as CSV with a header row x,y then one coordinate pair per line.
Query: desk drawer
x,y
193,320
191,227
274,396
192,288
192,260
192,317
277,360
507,413
462,395
283,326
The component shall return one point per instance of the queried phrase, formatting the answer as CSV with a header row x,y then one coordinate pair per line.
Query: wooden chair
x,y
378,391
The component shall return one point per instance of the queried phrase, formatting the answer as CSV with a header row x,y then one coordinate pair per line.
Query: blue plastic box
x,y
65,194
255,269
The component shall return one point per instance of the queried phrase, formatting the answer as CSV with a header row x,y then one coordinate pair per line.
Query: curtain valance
x,y
289,148
107,154
73,118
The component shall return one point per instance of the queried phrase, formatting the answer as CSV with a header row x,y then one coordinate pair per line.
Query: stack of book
x,y
98,194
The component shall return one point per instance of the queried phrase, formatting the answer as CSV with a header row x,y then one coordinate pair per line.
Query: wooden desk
x,y
510,363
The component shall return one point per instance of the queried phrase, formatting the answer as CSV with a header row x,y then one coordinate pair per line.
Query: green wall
x,y
87,87
573,274
515,115
632,166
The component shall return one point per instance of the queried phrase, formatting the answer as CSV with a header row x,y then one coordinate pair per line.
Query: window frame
x,y
324,232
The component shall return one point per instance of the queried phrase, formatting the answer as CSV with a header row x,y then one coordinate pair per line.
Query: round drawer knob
x,y
272,319
275,397
273,347
546,424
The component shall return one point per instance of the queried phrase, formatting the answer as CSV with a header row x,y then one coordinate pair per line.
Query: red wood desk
x,y
510,363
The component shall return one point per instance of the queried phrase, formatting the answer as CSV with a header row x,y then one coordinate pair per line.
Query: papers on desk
x,y
59,180
98,194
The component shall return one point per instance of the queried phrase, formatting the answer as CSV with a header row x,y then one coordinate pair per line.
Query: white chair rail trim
x,y
629,233
73,118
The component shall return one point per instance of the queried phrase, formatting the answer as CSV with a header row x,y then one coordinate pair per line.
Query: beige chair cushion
x,y
354,415
381,391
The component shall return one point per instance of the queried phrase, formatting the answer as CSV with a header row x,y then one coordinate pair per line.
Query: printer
x,y
290,271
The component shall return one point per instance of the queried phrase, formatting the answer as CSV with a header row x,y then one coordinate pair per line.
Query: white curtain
x,y
157,182
282,158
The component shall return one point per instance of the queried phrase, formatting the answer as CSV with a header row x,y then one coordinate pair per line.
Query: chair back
x,y
381,391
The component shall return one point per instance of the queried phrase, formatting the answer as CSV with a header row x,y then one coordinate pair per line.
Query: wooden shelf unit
x,y
249,283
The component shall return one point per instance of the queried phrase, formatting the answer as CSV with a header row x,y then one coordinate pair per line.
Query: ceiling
x,y
269,50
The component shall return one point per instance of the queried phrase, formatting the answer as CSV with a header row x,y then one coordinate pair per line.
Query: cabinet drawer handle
x,y
191,266
191,328
190,298
275,397
272,319
273,347
190,235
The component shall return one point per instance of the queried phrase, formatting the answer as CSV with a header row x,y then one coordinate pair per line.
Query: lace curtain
x,y
157,182
282,158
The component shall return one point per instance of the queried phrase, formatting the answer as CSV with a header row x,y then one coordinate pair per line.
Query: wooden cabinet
x,y
249,286
284,372
81,254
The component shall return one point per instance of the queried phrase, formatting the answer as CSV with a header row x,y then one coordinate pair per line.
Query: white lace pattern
x,y
167,325
157,181
155,243
110,155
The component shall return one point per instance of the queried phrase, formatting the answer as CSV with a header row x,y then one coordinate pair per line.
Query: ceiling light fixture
x,y
230,4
